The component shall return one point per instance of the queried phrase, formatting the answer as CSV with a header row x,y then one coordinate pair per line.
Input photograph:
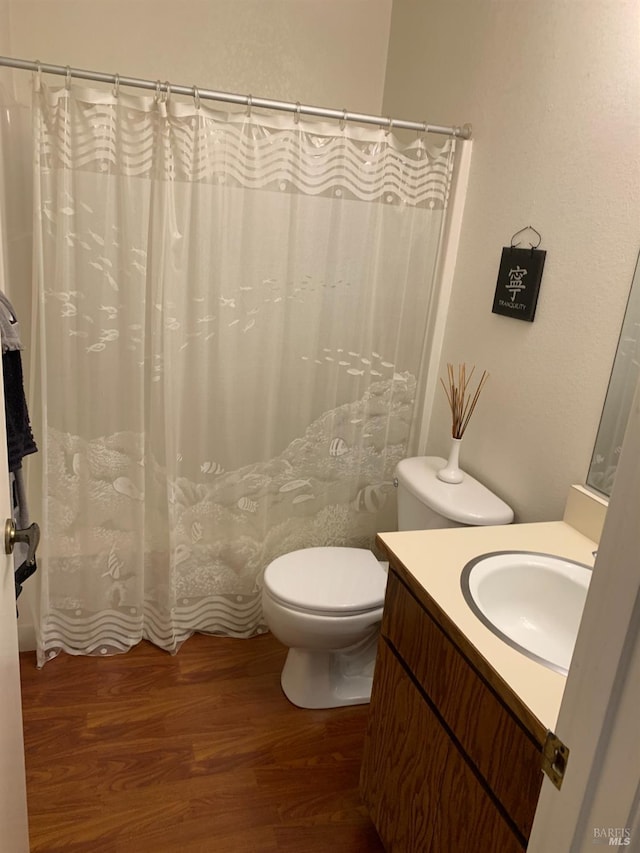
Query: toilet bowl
x,y
325,604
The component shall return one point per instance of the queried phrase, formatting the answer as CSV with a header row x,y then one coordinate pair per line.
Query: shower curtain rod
x,y
249,101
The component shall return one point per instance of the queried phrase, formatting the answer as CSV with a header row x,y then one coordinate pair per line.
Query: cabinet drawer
x,y
495,742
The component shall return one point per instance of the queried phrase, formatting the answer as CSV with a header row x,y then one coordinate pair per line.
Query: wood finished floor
x,y
197,753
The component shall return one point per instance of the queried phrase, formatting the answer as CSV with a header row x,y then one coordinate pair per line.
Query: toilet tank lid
x,y
468,502
328,579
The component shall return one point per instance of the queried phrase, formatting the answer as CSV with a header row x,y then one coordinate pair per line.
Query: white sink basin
x,y
533,602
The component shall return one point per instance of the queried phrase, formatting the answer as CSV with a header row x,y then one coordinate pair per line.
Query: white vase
x,y
451,473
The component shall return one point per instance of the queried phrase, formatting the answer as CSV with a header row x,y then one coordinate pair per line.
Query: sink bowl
x,y
532,601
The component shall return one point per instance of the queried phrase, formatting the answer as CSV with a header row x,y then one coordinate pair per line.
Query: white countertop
x,y
435,559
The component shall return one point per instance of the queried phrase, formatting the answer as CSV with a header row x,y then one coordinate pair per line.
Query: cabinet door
x,y
420,791
496,744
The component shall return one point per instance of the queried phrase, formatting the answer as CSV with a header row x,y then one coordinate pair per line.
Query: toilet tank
x,y
414,514
427,503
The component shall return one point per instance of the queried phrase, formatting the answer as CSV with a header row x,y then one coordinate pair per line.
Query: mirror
x,y
617,404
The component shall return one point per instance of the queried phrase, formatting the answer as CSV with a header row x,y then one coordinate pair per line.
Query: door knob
x,y
30,536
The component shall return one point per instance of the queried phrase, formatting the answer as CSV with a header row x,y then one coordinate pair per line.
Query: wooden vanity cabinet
x,y
448,764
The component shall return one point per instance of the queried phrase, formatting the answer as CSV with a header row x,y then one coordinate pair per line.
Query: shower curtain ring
x,y
343,120
249,106
67,77
420,138
158,91
116,86
389,127
167,91
196,97
296,117
38,73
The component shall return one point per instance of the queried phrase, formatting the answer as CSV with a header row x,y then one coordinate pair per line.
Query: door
x,y
13,789
599,803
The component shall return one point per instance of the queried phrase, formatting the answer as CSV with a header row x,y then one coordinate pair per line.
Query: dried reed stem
x,y
461,403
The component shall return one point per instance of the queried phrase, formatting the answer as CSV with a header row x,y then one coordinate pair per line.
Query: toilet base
x,y
330,679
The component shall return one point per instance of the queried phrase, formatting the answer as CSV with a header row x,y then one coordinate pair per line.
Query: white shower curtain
x,y
233,313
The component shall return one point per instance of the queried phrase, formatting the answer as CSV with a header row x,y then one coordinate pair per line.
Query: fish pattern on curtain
x,y
233,317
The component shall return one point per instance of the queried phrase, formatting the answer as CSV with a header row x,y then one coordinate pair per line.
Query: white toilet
x,y
325,604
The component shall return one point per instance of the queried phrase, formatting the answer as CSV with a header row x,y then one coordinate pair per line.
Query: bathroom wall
x,y
552,88
313,51
4,25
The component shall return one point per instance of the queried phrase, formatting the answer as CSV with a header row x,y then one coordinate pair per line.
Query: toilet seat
x,y
329,581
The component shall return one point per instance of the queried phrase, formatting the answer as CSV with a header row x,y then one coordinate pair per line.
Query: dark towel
x,y
20,441
23,573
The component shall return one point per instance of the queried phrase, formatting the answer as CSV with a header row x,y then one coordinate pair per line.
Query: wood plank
x,y
196,752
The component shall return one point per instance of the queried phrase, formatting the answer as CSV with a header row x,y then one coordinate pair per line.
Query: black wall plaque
x,y
518,283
